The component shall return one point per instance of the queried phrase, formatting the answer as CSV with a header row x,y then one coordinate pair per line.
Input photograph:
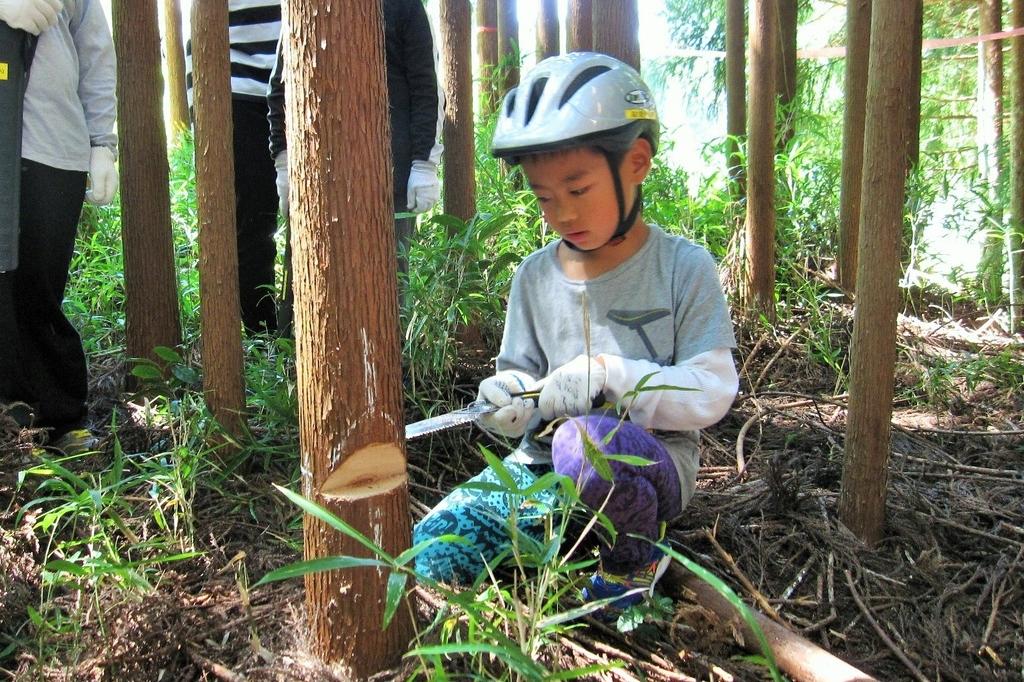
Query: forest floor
x,y
938,598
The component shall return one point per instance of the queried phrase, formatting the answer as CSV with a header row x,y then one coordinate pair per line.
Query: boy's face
x,y
576,192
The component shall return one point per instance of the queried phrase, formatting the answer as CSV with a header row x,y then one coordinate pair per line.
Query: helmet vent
x,y
510,102
536,90
584,77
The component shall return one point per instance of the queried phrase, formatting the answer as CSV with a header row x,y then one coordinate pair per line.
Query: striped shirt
x,y
253,29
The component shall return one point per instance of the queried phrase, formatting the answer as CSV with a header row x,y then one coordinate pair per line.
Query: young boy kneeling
x,y
584,129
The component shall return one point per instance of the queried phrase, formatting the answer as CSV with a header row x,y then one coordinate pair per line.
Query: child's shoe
x,y
75,441
630,588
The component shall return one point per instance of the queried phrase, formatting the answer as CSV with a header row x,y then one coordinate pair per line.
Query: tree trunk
x,y
220,317
579,26
175,51
151,284
736,94
1015,247
456,65
913,132
785,71
548,43
990,134
346,316
759,284
508,44
914,110
487,51
616,30
873,350
858,39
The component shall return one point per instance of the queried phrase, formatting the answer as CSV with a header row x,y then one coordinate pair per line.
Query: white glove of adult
x,y
34,16
515,412
281,164
570,390
102,177
424,189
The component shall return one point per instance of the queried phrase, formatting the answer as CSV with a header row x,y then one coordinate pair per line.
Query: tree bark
x,y
548,43
175,51
346,316
990,135
616,27
873,350
508,44
151,285
579,26
736,94
456,63
759,283
220,317
487,53
1015,247
858,39
785,71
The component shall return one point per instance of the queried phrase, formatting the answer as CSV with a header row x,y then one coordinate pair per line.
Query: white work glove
x,y
424,189
515,412
570,390
102,177
34,16
281,164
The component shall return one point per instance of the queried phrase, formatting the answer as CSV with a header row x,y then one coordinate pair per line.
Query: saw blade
x,y
470,413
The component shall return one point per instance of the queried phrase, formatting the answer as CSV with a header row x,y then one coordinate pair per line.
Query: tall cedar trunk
x,y
617,30
873,350
579,26
174,49
913,126
1016,233
346,316
548,43
151,284
990,135
759,283
456,65
914,110
858,40
487,51
785,70
508,44
736,93
219,314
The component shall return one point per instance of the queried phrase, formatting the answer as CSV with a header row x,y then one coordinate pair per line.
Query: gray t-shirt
x,y
70,103
664,305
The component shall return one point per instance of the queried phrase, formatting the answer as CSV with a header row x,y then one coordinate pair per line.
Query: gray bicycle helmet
x,y
572,100
581,99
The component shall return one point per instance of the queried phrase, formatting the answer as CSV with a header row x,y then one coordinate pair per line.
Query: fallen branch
x,y
802,660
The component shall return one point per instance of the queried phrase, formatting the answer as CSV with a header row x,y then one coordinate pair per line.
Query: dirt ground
x,y
938,598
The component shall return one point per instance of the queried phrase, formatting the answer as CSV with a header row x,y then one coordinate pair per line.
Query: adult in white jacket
x,y
67,156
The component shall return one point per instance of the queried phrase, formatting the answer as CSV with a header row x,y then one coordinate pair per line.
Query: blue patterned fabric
x,y
642,499
484,518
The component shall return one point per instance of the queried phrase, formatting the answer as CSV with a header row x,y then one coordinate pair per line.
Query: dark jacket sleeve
x,y
275,104
419,59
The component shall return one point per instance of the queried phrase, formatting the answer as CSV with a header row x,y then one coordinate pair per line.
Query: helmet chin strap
x,y
625,221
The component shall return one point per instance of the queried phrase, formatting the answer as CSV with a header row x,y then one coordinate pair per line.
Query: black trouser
x,y
255,214
42,361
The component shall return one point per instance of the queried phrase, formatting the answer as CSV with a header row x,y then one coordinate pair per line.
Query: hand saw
x,y
469,413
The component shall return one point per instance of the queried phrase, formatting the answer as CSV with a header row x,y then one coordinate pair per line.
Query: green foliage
x,y
501,628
